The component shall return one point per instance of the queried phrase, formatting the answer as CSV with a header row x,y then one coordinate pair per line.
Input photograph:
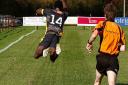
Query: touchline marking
x,y
4,49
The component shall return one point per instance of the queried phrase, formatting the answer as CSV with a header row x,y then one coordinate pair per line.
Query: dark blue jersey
x,y
55,21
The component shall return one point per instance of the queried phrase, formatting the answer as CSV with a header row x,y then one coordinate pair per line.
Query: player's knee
x,y
112,82
38,53
97,82
111,77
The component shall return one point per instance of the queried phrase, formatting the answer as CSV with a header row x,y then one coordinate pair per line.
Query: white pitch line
x,y
4,49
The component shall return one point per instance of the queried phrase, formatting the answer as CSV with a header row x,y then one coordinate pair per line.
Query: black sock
x,y
53,57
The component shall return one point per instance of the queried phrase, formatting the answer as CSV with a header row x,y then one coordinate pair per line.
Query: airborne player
x,y
55,20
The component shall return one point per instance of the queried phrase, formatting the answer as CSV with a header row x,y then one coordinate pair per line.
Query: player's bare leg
x,y
111,77
39,52
98,79
53,55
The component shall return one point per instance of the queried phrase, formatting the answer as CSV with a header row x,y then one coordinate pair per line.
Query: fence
x,y
78,20
7,21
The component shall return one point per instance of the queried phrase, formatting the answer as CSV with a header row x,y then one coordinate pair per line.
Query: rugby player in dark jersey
x,y
55,20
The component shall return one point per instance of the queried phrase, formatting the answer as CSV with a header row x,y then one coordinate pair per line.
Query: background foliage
x,y
79,7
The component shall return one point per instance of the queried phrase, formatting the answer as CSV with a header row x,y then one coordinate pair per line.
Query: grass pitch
x,y
74,66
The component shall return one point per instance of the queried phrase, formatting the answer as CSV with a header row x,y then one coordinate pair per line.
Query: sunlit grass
x,y
74,66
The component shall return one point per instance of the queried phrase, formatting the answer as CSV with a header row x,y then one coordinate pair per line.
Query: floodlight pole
x,y
124,9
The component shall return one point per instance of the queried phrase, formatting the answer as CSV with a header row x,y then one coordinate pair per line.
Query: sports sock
x,y
53,57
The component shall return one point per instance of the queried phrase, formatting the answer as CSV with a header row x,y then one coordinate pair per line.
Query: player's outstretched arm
x,y
39,11
92,38
64,3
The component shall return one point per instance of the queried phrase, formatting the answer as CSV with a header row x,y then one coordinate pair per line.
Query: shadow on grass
x,y
122,84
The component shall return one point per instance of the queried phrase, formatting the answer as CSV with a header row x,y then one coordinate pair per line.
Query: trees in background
x,y
76,8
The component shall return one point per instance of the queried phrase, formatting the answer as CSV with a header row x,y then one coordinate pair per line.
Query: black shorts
x,y
50,40
106,62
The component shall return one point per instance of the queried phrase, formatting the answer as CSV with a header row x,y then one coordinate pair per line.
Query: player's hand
x,y
61,34
89,47
38,11
63,0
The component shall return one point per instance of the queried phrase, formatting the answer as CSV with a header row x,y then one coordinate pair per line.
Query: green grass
x,y
75,66
9,36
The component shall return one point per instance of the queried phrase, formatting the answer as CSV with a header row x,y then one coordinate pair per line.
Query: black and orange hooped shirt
x,y
110,37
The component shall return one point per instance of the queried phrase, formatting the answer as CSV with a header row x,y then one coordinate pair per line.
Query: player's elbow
x,y
95,33
65,9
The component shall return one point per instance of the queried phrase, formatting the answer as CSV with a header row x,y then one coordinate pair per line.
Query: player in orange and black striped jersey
x,y
55,20
112,41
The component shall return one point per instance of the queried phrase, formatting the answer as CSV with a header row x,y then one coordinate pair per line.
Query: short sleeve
x,y
46,11
99,26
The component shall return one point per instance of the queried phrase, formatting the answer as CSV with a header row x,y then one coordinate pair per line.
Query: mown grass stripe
x,y
74,65
11,44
